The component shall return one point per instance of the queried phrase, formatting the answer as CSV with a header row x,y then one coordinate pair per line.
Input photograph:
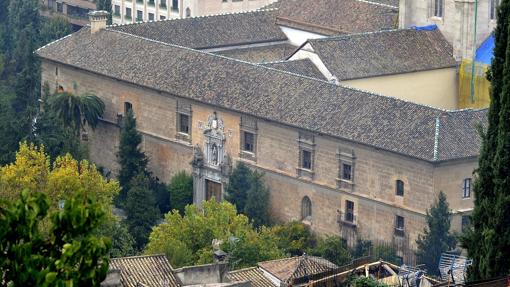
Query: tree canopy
x,y
71,255
488,240
436,238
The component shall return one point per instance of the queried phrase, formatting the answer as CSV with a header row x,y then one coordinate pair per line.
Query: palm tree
x,y
76,111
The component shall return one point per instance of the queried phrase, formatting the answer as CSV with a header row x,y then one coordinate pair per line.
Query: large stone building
x,y
455,18
129,11
342,160
75,11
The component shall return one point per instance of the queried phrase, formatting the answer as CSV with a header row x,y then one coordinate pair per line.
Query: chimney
x,y
98,20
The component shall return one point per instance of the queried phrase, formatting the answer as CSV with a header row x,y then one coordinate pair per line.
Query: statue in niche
x,y
214,154
198,156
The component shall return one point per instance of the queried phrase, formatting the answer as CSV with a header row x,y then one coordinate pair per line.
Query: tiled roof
x,y
297,101
333,17
303,67
211,31
291,268
267,53
384,53
151,271
253,274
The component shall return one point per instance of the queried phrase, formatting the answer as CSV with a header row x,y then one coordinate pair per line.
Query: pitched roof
x,y
266,53
211,31
384,53
291,268
152,271
303,67
333,17
252,274
297,101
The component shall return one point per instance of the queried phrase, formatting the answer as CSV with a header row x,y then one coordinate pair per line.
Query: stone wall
x,y
277,154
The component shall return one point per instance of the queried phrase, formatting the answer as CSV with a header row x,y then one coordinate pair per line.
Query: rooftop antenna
x,y
453,267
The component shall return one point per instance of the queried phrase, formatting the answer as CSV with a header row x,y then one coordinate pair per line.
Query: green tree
x,y
181,191
142,213
257,201
123,244
132,159
54,28
76,111
436,239
488,241
365,282
294,238
70,256
187,239
105,5
238,186
334,249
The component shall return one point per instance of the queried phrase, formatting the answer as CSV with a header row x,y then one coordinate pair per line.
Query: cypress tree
x,y
257,201
238,186
436,238
488,242
142,213
132,159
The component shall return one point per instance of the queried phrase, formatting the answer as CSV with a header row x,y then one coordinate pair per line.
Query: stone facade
x,y
278,150
456,21
129,11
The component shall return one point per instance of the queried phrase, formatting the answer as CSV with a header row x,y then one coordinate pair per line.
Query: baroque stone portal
x,y
211,164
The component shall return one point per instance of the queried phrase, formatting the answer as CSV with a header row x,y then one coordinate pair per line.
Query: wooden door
x,y
213,190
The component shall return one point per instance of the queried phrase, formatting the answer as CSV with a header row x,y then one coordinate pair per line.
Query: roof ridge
x,y
436,138
280,71
140,256
242,269
341,37
378,4
194,17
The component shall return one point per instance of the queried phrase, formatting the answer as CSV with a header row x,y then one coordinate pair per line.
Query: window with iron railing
x,y
399,226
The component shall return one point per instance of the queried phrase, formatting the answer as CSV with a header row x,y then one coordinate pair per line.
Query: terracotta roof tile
x,y
253,274
302,102
151,271
288,269
303,67
268,53
333,17
211,31
384,53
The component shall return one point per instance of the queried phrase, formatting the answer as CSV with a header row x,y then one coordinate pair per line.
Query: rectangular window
x,y
128,13
466,188
162,3
349,211
465,222
399,225
438,8
139,15
175,5
347,171
151,16
399,188
184,124
493,9
116,10
162,17
249,142
306,159
128,107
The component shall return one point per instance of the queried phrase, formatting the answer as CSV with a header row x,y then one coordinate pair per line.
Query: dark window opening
x,y
399,225
347,171
349,211
399,188
465,222
466,188
306,161
128,108
184,124
249,142
306,208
